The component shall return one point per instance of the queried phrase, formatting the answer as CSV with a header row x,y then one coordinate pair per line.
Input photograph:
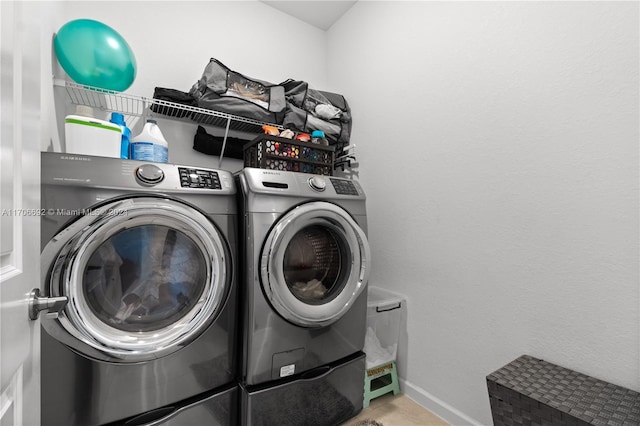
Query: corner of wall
x,y
436,406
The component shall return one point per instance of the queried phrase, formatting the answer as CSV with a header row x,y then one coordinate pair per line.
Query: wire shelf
x,y
141,106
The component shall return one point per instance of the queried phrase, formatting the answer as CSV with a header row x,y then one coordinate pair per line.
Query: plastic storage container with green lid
x,y
87,135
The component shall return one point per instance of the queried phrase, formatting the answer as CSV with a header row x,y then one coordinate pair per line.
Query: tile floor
x,y
397,410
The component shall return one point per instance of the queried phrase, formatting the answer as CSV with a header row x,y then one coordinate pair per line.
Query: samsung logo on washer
x,y
68,157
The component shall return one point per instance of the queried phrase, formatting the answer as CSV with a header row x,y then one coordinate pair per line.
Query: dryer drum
x,y
313,262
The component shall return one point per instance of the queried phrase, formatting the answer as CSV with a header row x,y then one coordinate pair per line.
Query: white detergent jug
x,y
150,144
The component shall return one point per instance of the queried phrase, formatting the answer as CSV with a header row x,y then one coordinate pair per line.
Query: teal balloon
x,y
94,54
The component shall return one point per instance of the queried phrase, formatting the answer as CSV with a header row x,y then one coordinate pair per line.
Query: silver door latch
x,y
52,305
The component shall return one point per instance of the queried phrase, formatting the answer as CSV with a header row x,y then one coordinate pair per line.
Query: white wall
x,y
173,41
498,143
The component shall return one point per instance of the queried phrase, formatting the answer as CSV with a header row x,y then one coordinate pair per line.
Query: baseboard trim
x,y
436,406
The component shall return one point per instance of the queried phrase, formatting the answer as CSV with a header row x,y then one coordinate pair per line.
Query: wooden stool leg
x,y
367,390
394,380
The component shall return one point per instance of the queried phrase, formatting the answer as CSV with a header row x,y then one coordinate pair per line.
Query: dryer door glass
x,y
314,264
141,282
144,278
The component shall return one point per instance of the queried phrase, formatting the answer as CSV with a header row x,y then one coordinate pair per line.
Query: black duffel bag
x,y
212,145
222,89
174,96
309,109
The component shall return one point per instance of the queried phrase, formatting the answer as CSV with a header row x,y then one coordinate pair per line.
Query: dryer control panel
x,y
295,184
344,187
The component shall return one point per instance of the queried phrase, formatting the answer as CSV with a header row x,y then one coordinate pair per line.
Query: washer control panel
x,y
344,187
198,178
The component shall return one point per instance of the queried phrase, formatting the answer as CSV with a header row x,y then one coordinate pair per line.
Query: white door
x,y
23,44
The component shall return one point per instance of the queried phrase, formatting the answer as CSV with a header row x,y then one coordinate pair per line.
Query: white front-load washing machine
x,y
306,266
143,254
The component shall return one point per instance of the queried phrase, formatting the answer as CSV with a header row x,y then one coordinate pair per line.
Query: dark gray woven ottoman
x,y
531,391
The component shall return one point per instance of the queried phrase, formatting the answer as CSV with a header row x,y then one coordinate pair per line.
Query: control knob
x,y
317,183
149,174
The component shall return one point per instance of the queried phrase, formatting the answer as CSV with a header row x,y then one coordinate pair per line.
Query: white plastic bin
x,y
384,317
92,136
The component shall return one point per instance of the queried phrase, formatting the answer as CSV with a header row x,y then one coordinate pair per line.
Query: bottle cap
x,y
117,118
152,121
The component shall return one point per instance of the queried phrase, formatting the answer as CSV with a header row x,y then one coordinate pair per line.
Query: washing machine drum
x,y
143,277
314,264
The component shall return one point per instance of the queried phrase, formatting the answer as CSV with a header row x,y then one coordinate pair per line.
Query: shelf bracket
x,y
224,142
145,110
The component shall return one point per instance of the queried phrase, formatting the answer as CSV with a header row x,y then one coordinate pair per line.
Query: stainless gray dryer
x,y
306,267
144,256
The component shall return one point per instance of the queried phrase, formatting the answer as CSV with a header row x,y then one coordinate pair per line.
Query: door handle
x,y
52,305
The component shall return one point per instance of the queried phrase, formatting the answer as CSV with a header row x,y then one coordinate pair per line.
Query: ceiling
x,y
320,14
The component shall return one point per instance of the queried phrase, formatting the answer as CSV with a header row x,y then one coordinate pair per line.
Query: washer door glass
x,y
144,276
314,264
